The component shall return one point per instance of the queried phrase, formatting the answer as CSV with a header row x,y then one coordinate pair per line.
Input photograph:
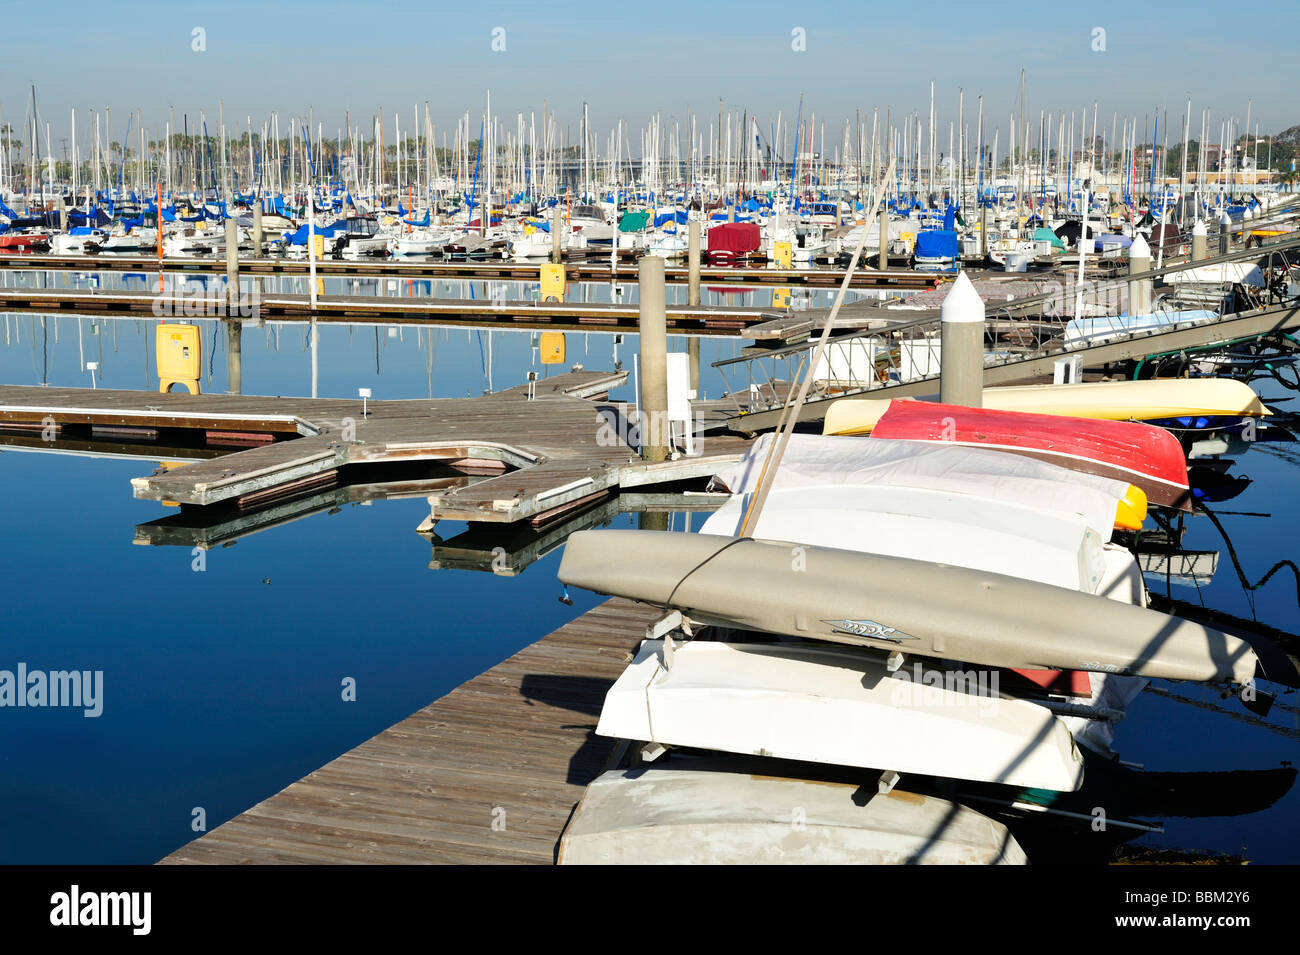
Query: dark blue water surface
x,y
223,686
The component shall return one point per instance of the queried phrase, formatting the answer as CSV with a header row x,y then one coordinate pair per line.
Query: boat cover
x,y
936,244
738,238
812,460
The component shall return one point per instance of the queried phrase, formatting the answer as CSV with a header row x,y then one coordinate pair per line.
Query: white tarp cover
x,y
813,460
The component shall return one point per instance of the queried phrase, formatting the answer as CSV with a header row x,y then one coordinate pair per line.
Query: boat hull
x,y
840,707
1149,457
898,604
1152,400
707,816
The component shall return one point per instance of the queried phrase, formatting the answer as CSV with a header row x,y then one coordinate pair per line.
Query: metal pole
x,y
653,328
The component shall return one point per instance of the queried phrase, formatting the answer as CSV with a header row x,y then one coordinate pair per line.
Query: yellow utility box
x,y
781,298
783,253
553,282
179,357
318,245
551,348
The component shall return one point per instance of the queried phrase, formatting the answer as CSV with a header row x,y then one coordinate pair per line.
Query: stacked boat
x,y
943,605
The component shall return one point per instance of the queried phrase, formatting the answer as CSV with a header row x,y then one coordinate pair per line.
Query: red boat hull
x,y
1140,454
22,240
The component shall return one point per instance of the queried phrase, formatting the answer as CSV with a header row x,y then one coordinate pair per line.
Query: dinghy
x,y
711,816
1140,454
985,510
898,604
1151,400
838,706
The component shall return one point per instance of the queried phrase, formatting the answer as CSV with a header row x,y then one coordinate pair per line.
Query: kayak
x,y
1146,456
1152,400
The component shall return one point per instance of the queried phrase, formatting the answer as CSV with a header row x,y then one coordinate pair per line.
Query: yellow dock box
x,y
318,245
781,298
178,356
783,253
551,348
553,283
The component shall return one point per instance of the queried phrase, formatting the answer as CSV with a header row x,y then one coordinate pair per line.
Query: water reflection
x,y
408,360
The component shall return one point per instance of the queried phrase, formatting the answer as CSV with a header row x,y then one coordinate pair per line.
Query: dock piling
x,y
1200,241
961,355
1139,262
884,235
232,265
653,329
693,262
257,228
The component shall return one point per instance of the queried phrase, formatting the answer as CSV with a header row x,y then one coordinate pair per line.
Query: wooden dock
x,y
393,310
489,773
536,456
595,269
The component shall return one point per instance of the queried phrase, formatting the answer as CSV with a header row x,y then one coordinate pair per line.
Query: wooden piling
x,y
653,331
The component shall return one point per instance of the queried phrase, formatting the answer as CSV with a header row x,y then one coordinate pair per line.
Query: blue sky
x,y
263,56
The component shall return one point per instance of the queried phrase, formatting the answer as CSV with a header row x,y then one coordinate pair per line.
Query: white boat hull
x,y
838,706
708,816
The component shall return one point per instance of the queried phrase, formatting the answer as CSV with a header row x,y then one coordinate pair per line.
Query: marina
x,y
804,477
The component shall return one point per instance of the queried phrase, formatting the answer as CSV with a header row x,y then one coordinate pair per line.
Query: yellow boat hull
x,y
1151,400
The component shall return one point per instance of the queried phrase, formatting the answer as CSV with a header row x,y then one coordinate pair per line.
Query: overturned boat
x,y
711,814
898,605
1151,400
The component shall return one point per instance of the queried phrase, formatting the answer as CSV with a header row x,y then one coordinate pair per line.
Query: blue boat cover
x,y
936,243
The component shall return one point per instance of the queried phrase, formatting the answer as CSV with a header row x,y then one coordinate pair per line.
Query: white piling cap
x,y
1223,219
1139,249
1198,228
963,303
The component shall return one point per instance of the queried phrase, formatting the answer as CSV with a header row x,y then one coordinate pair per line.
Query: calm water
x,y
223,686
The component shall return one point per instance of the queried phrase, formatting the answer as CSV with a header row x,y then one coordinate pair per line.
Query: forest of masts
x,y
536,157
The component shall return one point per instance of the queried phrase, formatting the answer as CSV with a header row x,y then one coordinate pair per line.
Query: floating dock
x,y
537,455
394,310
489,773
593,270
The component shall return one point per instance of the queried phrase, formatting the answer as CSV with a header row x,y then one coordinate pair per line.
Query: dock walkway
x,y
489,773
553,450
